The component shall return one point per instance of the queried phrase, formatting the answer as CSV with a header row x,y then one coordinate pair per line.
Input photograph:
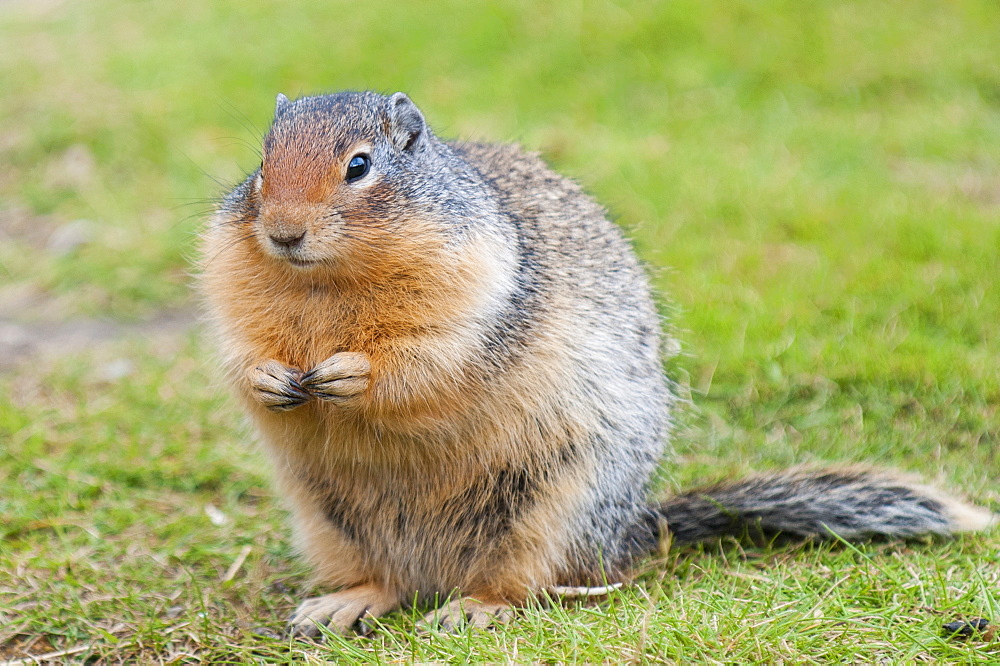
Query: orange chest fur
x,y
301,327
301,320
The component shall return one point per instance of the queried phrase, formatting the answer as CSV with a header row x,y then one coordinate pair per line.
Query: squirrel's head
x,y
345,178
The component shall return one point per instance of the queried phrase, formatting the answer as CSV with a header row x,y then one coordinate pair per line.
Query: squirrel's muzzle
x,y
286,240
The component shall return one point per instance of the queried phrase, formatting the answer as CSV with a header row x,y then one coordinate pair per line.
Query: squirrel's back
x,y
598,315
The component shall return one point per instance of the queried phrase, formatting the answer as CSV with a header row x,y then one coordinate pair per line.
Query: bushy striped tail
x,y
853,503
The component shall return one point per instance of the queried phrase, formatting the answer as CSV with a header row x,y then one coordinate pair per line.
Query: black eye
x,y
358,167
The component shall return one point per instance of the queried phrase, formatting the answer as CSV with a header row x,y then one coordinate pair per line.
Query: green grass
x,y
815,185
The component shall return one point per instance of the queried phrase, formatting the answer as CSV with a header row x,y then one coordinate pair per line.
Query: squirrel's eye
x,y
358,167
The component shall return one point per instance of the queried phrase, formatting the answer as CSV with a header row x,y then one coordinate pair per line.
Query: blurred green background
x,y
815,186
819,177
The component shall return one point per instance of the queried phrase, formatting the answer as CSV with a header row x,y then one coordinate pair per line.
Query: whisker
x,y
236,114
228,245
251,146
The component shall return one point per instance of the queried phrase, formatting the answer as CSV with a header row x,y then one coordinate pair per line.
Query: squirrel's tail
x,y
851,502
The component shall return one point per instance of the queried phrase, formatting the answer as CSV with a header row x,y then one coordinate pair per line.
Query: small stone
x,y
70,236
966,628
215,516
116,370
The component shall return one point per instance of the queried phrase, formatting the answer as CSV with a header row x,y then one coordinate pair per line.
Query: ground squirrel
x,y
454,362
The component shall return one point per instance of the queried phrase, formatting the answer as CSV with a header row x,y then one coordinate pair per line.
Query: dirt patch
x,y
23,342
24,647
979,183
44,233
35,324
34,328
19,224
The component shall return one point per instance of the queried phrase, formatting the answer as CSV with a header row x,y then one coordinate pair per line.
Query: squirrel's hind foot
x,y
467,612
350,610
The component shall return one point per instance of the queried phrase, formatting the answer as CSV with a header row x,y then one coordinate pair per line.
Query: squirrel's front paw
x,y
339,379
278,387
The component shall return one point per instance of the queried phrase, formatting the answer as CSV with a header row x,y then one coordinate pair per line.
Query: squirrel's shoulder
x,y
555,216
512,169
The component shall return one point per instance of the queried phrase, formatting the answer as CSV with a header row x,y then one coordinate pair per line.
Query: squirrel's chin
x,y
301,263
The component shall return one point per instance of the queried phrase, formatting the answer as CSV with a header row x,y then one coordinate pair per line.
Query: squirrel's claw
x,y
467,612
278,387
339,378
344,612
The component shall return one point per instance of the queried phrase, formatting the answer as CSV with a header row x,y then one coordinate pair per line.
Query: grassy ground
x,y
816,184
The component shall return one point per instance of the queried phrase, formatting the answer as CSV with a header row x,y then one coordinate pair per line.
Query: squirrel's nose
x,y
288,240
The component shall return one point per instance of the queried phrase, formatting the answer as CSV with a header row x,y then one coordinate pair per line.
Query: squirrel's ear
x,y
407,127
280,104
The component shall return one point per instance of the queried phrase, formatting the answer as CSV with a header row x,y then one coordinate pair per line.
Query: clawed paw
x,y
277,387
345,612
467,612
339,378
